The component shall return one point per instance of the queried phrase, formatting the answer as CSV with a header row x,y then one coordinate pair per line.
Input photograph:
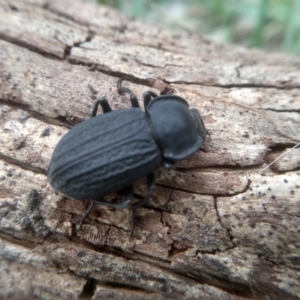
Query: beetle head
x,y
179,129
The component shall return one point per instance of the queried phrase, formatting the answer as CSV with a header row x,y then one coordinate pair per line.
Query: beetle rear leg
x,y
127,202
147,96
151,187
104,104
123,89
92,203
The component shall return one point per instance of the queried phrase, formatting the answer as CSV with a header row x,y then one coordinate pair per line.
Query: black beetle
x,y
109,152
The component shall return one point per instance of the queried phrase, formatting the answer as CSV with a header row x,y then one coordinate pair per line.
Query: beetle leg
x,y
151,187
104,104
127,200
86,213
147,97
168,164
123,89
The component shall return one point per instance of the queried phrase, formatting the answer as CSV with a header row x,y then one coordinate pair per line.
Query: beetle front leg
x,y
123,89
104,104
147,96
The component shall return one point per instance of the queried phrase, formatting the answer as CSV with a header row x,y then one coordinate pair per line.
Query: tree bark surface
x,y
216,227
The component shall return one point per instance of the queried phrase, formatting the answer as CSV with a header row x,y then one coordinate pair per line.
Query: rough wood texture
x,y
215,229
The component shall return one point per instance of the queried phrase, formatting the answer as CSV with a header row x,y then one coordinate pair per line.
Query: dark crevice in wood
x,y
89,37
59,121
222,168
118,285
92,222
229,86
134,255
237,193
204,194
281,110
28,46
21,43
237,85
149,82
106,234
184,272
73,224
175,251
107,71
154,208
221,223
88,290
281,147
49,55
166,205
203,277
22,165
20,241
67,51
212,252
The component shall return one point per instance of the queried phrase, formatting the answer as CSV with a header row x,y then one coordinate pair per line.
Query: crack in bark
x,y
204,194
21,43
89,37
222,225
58,121
156,66
118,286
221,168
168,199
209,279
28,244
108,71
91,223
219,216
22,165
281,110
30,47
175,251
228,86
88,290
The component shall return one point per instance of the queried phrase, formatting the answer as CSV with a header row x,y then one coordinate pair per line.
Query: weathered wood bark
x,y
215,229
